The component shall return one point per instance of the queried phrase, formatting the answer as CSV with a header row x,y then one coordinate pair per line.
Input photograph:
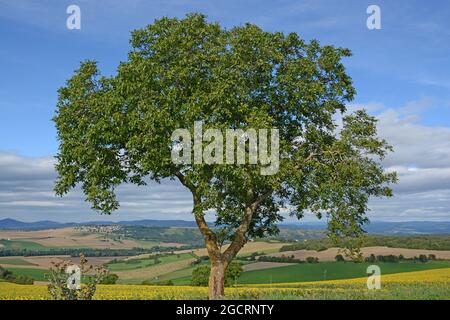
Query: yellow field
x,y
431,284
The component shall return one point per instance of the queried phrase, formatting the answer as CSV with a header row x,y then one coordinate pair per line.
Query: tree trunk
x,y
217,280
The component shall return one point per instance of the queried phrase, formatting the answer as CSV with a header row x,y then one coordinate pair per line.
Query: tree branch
x,y
208,234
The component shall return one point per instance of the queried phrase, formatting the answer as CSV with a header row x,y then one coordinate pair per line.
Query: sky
x,y
401,73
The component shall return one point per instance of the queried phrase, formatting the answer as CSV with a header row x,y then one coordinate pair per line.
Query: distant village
x,y
98,228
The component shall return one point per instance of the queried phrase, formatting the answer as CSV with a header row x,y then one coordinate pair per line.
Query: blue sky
x,y
401,73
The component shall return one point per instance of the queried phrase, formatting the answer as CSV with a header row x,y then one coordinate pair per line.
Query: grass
x,y
36,274
133,264
16,261
430,284
21,244
330,271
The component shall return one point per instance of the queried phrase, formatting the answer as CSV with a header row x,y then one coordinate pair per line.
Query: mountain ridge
x,y
375,227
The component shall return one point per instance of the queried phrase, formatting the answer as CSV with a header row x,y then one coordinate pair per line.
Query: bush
x,y
283,259
10,277
339,258
110,278
5,273
312,260
21,279
200,275
59,278
423,258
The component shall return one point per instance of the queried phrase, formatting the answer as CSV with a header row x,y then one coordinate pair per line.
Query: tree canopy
x,y
118,129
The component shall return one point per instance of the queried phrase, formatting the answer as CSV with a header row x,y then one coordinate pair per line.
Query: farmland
x,y
75,238
331,271
169,255
430,284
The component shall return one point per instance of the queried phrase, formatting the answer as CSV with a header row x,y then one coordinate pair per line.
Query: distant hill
x,y
376,227
387,228
11,224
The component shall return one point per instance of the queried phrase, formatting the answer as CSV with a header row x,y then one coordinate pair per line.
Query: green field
x,y
21,244
133,264
36,274
331,271
16,261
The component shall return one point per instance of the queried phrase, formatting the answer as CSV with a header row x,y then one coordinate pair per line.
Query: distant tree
x,y
312,260
201,274
233,273
118,129
5,273
110,278
339,258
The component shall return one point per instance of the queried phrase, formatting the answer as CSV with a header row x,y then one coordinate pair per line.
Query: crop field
x,y
35,274
257,246
331,271
138,263
15,262
70,238
429,284
146,269
330,254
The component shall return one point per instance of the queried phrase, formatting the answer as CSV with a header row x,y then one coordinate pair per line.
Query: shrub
x,y
339,258
110,278
22,279
10,277
200,275
59,278
312,260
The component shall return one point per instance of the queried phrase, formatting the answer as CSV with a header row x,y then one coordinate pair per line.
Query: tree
x,y
110,278
339,258
312,260
118,129
201,274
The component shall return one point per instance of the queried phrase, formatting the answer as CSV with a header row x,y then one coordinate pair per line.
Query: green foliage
x,y
339,258
200,275
283,259
312,260
158,283
118,129
5,273
110,278
9,276
22,279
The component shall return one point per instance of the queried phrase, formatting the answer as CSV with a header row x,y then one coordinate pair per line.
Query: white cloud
x,y
421,159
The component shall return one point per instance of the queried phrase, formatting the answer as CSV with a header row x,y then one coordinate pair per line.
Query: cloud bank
x,y
420,159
